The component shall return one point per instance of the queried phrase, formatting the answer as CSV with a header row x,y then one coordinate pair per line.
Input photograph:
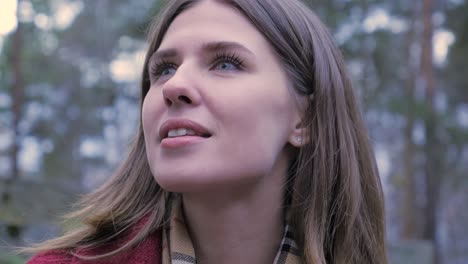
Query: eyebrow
x,y
209,47
225,45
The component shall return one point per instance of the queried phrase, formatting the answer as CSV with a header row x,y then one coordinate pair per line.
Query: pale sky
x,y
62,16
7,16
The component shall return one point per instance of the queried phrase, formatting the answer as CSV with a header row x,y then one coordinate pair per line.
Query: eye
x,y
162,69
226,66
227,62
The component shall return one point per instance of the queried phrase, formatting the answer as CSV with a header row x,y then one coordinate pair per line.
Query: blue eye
x,y
162,69
227,62
226,66
167,71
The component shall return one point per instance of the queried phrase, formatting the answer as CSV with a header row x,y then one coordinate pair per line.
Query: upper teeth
x,y
180,132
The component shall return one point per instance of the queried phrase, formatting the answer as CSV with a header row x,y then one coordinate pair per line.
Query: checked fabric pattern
x,y
177,246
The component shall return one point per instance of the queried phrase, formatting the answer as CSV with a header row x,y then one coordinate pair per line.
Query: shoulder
x,y
147,252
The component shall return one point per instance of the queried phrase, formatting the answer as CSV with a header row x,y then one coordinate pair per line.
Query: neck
x,y
237,226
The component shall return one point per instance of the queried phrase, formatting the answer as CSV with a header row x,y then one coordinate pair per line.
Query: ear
x,y
298,136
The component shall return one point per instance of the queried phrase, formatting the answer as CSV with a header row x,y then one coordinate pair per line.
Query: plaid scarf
x,y
177,246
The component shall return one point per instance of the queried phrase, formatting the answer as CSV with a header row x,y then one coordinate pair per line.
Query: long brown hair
x,y
335,196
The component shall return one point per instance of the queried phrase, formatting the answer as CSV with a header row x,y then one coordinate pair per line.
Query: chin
x,y
183,183
194,183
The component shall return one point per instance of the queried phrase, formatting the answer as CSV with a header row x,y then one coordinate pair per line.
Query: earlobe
x,y
298,137
298,140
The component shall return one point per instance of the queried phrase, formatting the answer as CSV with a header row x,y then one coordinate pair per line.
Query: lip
x,y
178,142
182,123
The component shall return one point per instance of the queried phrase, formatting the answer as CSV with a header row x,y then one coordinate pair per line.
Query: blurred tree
x,y
409,214
17,95
389,45
67,104
455,139
432,148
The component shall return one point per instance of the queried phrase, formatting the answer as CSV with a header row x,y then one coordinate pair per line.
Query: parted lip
x,y
182,123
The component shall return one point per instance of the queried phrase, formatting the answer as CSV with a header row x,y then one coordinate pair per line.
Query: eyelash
x,y
229,57
156,69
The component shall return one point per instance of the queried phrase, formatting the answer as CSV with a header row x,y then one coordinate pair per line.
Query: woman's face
x,y
220,108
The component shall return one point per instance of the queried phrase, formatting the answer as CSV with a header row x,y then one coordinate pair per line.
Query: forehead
x,y
211,21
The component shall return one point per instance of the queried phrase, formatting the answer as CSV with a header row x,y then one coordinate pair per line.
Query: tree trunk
x,y
433,163
17,94
409,210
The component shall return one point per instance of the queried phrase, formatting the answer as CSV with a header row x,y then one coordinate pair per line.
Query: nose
x,y
181,89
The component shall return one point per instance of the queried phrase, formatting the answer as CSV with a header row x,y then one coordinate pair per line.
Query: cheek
x,y
257,140
150,112
260,122
269,112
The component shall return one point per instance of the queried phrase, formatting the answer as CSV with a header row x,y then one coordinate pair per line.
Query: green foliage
x,y
456,72
7,258
67,86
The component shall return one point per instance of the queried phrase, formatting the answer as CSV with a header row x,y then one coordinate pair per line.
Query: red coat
x,y
148,252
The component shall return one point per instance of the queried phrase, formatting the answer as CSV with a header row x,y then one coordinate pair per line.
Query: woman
x,y
251,149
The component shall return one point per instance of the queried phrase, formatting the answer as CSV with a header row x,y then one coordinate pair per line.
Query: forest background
x,y
69,87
